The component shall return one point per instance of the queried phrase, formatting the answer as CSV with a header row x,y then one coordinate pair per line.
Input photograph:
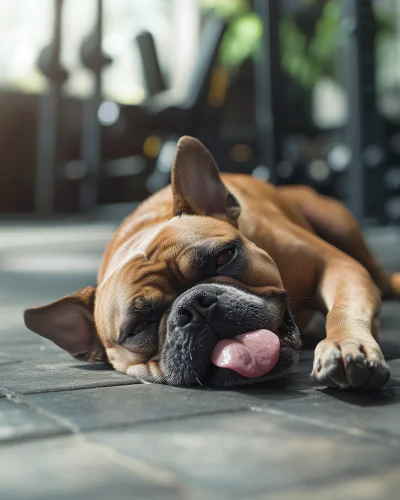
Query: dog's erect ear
x,y
196,184
69,323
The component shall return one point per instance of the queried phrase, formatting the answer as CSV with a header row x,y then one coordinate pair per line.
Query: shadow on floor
x,y
389,395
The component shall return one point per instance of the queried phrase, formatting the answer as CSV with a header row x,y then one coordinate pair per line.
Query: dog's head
x,y
192,301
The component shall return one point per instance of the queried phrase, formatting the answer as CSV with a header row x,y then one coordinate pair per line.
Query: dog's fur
x,y
211,257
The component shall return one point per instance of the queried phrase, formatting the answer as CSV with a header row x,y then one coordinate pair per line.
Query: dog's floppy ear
x,y
69,323
196,184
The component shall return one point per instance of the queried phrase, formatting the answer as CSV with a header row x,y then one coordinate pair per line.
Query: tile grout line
x,y
5,391
141,423
66,424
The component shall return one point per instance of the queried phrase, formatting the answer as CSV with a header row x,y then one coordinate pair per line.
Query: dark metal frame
x,y
269,90
364,127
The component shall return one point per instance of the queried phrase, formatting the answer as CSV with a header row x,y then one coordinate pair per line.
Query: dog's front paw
x,y
348,363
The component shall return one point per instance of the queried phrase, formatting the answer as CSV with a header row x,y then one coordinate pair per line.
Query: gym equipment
x,y
191,114
154,78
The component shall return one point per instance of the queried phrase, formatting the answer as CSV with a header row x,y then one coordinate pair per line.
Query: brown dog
x,y
199,284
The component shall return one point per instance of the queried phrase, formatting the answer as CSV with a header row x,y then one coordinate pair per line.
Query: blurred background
x,y
94,95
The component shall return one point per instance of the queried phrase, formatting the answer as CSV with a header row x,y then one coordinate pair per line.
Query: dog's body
x,y
203,266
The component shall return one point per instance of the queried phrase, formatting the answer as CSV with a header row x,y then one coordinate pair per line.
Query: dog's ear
x,y
196,185
69,323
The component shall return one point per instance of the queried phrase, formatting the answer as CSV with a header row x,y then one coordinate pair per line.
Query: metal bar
x,y
268,87
352,80
91,130
47,150
49,121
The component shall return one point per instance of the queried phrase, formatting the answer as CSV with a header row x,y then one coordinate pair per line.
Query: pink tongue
x,y
251,354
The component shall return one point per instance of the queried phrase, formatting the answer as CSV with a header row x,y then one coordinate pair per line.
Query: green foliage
x,y
243,36
227,9
242,40
307,60
304,59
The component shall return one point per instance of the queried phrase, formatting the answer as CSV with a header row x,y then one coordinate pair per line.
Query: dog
x,y
210,279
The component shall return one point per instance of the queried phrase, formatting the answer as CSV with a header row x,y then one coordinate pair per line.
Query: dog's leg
x,y
333,222
350,355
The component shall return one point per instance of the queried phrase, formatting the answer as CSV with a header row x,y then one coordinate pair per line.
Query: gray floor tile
x,y
22,290
132,405
30,377
7,358
19,422
129,405
353,412
16,335
382,484
41,351
298,440
245,453
70,468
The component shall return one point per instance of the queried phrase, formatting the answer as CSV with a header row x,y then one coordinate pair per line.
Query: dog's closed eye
x,y
140,327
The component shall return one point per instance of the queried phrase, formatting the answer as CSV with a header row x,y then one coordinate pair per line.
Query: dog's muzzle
x,y
214,329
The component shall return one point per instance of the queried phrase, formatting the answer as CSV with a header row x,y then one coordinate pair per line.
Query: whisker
x,y
197,378
278,318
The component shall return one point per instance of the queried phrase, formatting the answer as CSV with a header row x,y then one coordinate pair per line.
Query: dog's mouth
x,y
254,354
242,339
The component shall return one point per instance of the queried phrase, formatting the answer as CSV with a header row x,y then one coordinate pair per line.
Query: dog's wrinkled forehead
x,y
171,246
169,240
158,265
183,233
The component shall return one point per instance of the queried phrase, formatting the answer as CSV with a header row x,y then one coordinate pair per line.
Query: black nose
x,y
197,309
